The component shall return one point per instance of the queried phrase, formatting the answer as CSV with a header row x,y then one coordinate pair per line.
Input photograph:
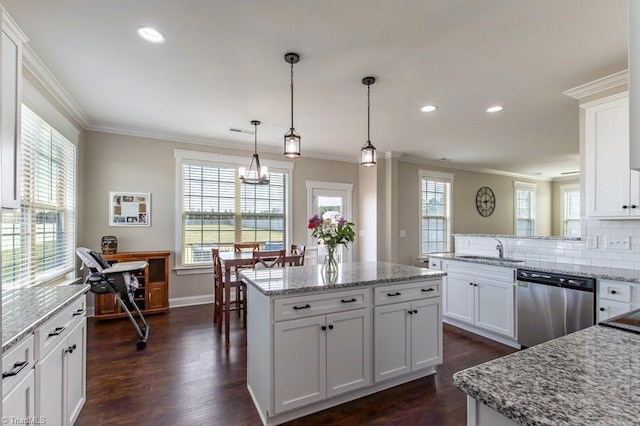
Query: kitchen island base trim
x,y
337,400
481,332
479,414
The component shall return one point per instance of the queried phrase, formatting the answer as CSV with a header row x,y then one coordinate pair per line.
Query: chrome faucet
x,y
500,248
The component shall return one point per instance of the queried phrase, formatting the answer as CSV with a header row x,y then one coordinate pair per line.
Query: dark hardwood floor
x,y
187,376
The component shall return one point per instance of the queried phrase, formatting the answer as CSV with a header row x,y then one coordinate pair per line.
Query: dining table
x,y
231,259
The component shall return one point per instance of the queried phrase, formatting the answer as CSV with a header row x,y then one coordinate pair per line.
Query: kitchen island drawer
x,y
320,304
16,364
615,290
54,330
386,294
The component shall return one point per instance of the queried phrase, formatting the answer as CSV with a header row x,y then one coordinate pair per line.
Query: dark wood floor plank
x,y
187,375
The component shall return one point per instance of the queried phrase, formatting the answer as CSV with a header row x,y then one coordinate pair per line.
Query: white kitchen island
x,y
316,340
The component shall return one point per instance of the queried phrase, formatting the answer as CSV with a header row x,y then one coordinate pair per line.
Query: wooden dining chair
x,y
239,247
218,293
269,258
298,249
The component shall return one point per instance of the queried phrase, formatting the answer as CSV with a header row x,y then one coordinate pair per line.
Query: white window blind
x,y
218,210
38,240
435,212
570,210
525,208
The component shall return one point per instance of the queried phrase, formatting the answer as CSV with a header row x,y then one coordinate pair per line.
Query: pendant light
x,y
292,138
368,151
259,176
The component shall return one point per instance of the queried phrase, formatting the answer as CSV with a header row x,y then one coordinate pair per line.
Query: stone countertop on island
x,y
310,278
590,377
599,272
24,309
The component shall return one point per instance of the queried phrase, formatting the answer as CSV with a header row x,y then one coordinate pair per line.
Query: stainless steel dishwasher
x,y
552,305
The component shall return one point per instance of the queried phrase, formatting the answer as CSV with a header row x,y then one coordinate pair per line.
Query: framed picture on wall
x,y
129,209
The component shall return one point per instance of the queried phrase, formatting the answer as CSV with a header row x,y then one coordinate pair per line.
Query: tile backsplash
x,y
608,243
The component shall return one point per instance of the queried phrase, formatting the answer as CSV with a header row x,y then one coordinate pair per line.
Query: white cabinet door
x,y
348,351
495,306
426,334
299,353
20,402
607,175
76,371
50,381
392,340
611,308
458,297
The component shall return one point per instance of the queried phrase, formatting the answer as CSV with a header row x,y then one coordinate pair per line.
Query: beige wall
x,y
465,218
126,163
368,218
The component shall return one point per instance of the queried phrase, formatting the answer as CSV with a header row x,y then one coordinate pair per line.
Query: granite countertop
x,y
590,377
24,309
616,274
310,278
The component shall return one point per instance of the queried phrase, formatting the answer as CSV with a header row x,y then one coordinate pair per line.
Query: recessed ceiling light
x,y
495,108
151,35
428,108
537,174
444,159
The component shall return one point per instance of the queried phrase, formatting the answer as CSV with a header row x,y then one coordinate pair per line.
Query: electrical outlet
x,y
618,243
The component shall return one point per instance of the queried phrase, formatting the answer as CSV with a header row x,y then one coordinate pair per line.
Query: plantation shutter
x,y
38,240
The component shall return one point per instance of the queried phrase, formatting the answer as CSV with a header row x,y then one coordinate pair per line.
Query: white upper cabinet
x,y
10,110
612,189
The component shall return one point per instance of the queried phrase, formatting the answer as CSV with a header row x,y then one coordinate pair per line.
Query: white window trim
x,y
569,187
524,186
348,214
442,177
214,159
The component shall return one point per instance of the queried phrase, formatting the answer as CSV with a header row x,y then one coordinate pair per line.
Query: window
x,y
570,213
217,210
38,240
525,208
435,211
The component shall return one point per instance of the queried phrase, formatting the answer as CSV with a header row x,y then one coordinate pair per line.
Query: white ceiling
x,y
223,65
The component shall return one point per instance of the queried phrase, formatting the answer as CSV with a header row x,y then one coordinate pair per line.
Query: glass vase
x,y
330,263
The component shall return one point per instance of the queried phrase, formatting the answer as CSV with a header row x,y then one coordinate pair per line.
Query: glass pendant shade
x,y
258,175
368,155
292,144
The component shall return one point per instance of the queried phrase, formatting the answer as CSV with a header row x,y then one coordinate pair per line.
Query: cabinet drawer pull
x,y
602,309
397,293
58,331
427,289
17,367
297,308
353,299
78,312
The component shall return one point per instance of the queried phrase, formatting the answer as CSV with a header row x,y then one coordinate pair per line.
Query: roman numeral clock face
x,y
485,201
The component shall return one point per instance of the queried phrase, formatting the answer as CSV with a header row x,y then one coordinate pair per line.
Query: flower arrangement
x,y
331,231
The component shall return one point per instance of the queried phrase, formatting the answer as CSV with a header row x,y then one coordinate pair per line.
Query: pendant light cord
x,y
368,111
292,95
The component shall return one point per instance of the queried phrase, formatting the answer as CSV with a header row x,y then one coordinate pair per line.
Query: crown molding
x,y
453,166
599,85
40,71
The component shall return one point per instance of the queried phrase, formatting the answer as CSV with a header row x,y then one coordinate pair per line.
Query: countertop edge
x,y
307,290
31,328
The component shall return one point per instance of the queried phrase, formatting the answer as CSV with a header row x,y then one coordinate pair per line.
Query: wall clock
x,y
485,201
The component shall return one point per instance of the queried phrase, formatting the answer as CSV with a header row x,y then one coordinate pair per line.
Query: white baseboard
x,y
178,302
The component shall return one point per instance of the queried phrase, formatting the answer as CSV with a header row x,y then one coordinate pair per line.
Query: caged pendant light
x,y
259,176
368,151
292,138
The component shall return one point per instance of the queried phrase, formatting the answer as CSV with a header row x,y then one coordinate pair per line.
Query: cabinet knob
x,y
410,312
614,292
475,285
415,311
323,328
331,327
633,206
625,207
470,283
602,309
71,348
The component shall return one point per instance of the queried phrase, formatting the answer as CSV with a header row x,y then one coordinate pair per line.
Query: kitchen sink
x,y
491,258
